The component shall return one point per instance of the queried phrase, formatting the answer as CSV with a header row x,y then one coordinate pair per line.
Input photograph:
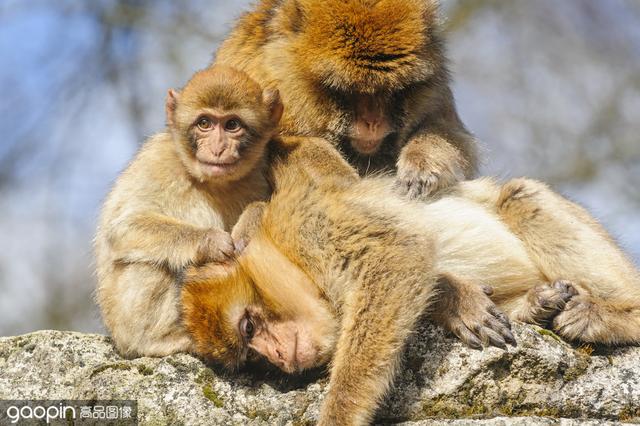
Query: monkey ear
x,y
171,104
271,97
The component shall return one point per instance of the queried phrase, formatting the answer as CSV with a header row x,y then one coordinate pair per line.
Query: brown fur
x,y
163,214
370,252
324,54
317,235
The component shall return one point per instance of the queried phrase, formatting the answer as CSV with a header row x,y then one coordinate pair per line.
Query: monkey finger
x,y
416,188
497,326
240,245
491,338
487,289
466,336
565,288
501,316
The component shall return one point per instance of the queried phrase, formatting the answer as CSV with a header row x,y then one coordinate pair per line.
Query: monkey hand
x,y
215,246
418,182
420,175
466,310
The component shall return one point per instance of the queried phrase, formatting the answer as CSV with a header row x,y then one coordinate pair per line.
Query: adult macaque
x,y
174,204
370,76
341,269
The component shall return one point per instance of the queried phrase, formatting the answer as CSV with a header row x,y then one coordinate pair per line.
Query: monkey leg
x,y
140,308
466,310
595,320
565,242
543,302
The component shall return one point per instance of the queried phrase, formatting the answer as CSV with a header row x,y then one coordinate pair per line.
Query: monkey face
x,y
223,146
361,57
228,315
221,122
288,344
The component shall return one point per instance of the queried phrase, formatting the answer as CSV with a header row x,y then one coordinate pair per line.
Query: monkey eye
x,y
204,123
232,125
247,328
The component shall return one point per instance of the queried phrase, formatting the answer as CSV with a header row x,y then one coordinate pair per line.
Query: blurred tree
x,y
551,88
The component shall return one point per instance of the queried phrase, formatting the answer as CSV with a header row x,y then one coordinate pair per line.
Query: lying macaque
x,y
341,269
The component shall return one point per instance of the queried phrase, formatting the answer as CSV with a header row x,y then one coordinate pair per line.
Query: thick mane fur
x,y
368,46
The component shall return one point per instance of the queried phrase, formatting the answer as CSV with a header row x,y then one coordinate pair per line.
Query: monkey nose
x,y
218,150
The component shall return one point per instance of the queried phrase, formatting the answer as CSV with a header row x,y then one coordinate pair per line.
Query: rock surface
x,y
543,381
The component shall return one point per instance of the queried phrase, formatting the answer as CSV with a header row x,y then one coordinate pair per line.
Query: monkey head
x,y
262,306
221,121
364,57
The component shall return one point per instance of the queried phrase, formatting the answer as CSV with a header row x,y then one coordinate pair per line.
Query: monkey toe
x,y
497,325
491,338
485,330
467,336
574,321
546,301
565,289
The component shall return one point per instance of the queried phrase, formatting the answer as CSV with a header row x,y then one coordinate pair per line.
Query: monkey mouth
x,y
217,168
366,146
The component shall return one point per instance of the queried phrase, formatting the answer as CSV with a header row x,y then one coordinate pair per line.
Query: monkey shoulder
x,y
156,182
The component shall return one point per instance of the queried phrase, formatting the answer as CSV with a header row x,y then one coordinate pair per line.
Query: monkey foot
x,y
580,320
472,316
545,301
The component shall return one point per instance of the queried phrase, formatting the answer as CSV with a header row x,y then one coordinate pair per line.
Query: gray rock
x,y
543,381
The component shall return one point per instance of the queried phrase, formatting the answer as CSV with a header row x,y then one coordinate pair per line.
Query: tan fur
x,y
566,243
163,215
320,54
370,251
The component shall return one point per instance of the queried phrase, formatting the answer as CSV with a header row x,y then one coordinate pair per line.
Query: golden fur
x,y
320,54
163,214
377,258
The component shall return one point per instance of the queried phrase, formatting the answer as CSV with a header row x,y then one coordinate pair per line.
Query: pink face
x,y
292,346
218,138
371,124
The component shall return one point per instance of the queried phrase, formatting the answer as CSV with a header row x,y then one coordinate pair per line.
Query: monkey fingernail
x,y
508,336
474,344
498,342
487,289
471,340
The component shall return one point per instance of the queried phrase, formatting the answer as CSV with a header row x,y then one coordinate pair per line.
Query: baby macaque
x,y
175,203
341,269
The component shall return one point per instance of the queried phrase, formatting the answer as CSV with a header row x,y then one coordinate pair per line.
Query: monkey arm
x,y
248,224
375,326
162,240
434,159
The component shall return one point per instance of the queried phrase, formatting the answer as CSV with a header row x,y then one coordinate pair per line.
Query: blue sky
x,y
67,129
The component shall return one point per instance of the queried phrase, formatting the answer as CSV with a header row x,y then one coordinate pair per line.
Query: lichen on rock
x,y
538,382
